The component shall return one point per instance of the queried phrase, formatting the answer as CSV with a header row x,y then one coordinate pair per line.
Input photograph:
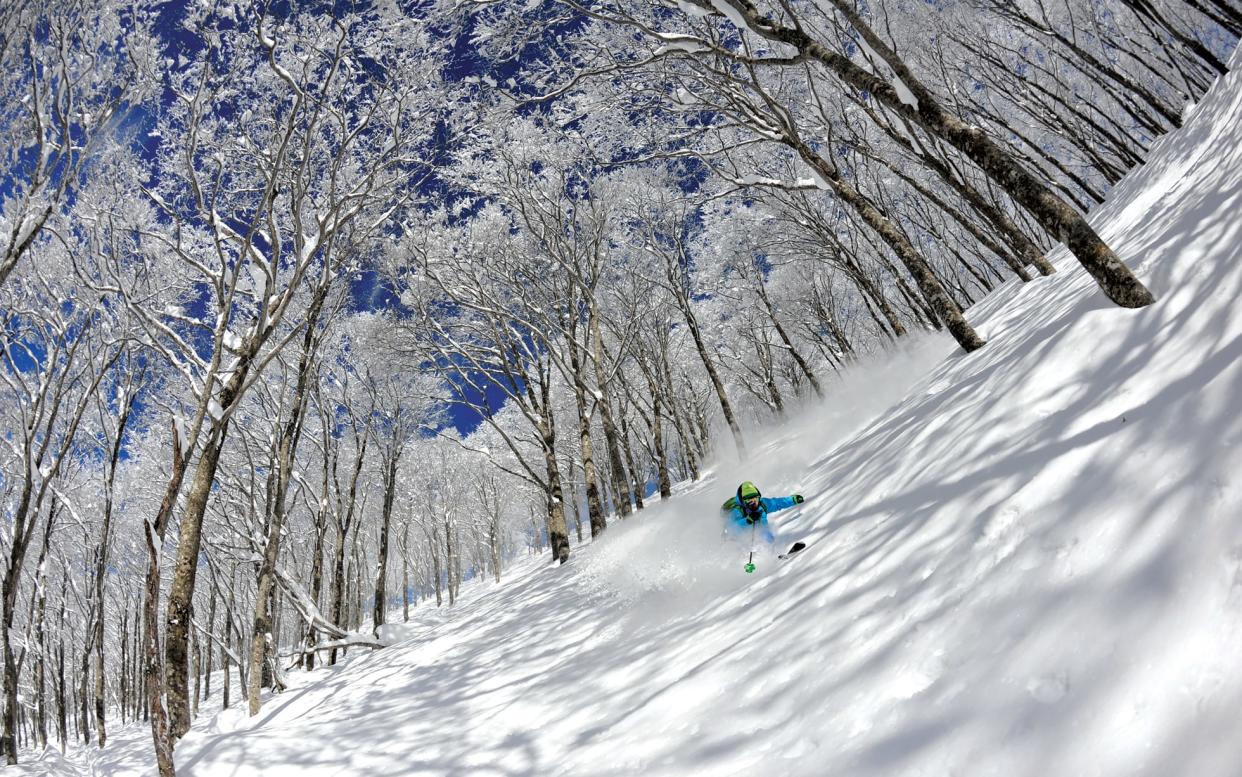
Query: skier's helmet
x,y
747,492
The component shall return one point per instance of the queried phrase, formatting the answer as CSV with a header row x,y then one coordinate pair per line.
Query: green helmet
x,y
747,490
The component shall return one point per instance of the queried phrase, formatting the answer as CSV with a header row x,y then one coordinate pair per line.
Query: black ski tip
x,y
796,547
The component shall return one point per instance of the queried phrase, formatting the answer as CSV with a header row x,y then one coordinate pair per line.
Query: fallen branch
x,y
310,613
227,650
352,640
308,609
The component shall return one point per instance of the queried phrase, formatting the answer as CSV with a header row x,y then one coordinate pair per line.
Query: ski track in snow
x,y
1031,565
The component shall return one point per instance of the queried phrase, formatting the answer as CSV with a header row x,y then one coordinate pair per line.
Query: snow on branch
x,y
775,183
903,92
736,14
352,640
693,9
677,42
306,606
223,646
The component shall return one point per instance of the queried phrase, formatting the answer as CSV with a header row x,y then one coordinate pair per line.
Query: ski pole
x,y
750,562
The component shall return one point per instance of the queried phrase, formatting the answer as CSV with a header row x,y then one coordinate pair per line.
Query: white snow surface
x,y
1028,564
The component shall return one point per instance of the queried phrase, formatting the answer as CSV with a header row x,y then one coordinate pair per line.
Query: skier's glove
x,y
798,499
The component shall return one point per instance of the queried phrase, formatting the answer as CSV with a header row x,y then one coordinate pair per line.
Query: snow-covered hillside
x,y
1029,565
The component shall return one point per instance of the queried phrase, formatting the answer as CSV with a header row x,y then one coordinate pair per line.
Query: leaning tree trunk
x,y
181,593
1027,252
789,346
692,323
1053,213
179,610
930,287
873,297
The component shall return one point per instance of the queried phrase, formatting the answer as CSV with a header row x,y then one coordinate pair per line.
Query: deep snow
x,y
1029,565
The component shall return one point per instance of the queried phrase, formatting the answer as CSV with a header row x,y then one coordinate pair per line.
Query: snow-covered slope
x,y
1030,565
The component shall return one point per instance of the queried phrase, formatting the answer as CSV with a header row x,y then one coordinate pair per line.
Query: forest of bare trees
x,y
313,317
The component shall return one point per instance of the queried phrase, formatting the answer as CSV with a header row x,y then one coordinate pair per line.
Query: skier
x,y
750,509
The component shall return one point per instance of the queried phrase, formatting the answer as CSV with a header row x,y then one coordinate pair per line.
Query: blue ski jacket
x,y
767,504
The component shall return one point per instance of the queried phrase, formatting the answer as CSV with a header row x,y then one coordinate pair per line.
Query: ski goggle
x,y
751,501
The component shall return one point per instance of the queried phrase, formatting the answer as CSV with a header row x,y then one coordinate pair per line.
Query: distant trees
x,y
70,71
483,329
738,73
54,360
283,199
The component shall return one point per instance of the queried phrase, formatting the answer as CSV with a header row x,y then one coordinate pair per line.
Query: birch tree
x,y
54,358
280,150
70,71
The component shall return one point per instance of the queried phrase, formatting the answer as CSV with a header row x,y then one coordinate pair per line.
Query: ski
x,y
794,549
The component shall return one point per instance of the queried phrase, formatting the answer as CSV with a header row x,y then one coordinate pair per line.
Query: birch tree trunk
x,y
558,533
154,674
381,579
606,416
929,285
291,433
342,531
179,610
595,509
